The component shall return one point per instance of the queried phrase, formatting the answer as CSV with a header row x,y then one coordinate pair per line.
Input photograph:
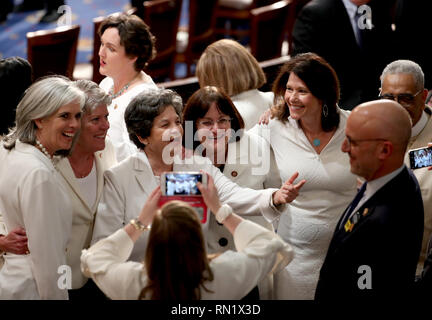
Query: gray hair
x,y
146,106
95,95
408,67
41,100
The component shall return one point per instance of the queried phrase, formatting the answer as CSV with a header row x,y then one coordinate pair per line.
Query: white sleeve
x,y
111,213
260,252
45,213
245,200
105,262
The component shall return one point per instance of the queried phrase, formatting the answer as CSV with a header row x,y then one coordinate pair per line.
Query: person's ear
x,y
39,123
386,150
144,141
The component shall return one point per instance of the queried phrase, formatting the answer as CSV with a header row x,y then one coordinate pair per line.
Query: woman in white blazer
x,y
216,129
176,266
83,171
244,158
126,47
154,123
33,194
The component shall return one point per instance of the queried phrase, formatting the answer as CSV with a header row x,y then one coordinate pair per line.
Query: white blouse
x,y
260,252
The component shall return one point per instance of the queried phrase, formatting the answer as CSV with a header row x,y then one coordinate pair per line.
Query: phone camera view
x,y
421,158
182,184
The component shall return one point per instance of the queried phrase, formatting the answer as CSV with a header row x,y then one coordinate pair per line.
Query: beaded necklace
x,y
44,151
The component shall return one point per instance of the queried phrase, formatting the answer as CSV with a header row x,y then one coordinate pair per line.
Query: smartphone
x,y
421,157
182,183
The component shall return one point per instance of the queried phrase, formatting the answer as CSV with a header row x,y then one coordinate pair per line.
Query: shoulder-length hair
x,y
199,104
319,77
144,108
227,64
135,37
176,261
41,100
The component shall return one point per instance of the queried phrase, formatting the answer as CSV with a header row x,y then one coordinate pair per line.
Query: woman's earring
x,y
325,110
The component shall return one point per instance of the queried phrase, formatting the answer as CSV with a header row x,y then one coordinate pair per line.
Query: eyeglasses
x,y
404,99
352,142
208,123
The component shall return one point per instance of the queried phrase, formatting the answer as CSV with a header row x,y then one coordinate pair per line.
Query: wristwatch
x,y
223,213
138,225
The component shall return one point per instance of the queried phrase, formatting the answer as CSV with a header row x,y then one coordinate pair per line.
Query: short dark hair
x,y
144,108
135,37
200,102
321,80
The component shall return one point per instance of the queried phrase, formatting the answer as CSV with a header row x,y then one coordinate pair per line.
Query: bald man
x,y
377,241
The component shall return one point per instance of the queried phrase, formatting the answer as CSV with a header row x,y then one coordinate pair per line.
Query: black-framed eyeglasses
x,y
403,98
355,142
208,123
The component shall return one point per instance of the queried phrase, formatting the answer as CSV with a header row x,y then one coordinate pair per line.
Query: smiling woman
x,y
33,195
306,136
83,170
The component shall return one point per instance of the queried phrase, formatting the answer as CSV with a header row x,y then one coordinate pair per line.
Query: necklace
x,y
115,95
316,142
45,151
79,173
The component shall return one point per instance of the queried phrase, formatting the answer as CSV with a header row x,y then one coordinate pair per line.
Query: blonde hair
x,y
228,65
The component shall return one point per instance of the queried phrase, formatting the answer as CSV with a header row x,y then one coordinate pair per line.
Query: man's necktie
x,y
353,205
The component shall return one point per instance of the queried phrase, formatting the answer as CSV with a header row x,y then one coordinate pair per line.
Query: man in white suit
x,y
403,81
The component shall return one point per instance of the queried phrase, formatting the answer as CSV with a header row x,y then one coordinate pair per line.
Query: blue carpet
x,y
13,32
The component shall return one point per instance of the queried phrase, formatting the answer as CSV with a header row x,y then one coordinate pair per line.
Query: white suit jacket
x,y
83,215
33,195
424,177
128,185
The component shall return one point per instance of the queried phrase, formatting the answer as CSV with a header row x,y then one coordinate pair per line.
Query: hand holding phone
x,y
183,186
421,157
210,194
181,183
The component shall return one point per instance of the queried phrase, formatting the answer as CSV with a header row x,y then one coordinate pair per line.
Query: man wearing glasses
x,y
403,81
376,244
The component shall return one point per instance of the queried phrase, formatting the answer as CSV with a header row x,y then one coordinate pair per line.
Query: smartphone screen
x,y
420,158
182,184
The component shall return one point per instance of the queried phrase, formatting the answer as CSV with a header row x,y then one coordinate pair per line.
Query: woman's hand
x,y
150,207
209,193
14,242
289,191
265,117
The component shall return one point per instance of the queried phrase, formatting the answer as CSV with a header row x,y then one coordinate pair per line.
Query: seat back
x,y
268,30
53,51
163,17
97,77
201,29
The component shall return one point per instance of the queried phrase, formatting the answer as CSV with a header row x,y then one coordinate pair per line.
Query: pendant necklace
x,y
316,142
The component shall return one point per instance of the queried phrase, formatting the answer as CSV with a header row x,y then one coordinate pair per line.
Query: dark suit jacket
x,y
324,27
387,239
